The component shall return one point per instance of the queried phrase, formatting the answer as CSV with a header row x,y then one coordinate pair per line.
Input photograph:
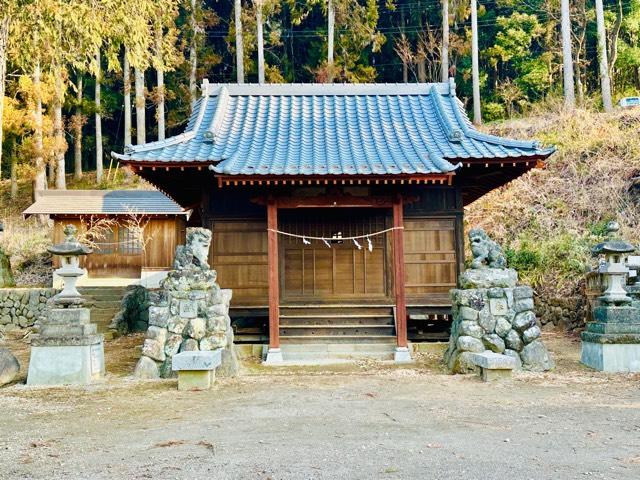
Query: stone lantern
x,y
611,342
69,252
67,349
614,269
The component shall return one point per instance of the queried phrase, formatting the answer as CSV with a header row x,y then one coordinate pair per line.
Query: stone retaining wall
x,y
567,313
21,307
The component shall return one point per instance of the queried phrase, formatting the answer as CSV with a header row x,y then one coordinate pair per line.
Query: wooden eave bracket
x,y
244,180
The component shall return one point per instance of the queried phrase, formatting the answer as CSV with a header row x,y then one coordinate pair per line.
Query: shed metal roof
x,y
336,129
104,202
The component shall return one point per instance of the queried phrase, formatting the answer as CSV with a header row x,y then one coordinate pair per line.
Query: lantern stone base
x,y
605,357
67,350
612,342
69,361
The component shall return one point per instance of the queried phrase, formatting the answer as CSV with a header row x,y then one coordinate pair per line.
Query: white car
x,y
629,102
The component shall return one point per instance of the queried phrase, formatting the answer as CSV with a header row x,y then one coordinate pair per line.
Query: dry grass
x,y
560,212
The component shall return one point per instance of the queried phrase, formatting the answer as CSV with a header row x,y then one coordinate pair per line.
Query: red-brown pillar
x,y
274,355
398,270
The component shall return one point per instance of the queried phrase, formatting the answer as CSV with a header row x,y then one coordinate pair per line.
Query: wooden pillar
x,y
274,280
398,270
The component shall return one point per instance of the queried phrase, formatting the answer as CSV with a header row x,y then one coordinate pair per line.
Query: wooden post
x,y
274,354
398,270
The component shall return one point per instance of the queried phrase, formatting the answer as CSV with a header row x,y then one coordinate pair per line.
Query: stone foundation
x,y
191,313
499,319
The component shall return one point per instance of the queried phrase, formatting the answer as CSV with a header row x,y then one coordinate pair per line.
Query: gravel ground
x,y
363,421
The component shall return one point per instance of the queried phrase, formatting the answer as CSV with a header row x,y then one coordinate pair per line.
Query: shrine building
x,y
336,210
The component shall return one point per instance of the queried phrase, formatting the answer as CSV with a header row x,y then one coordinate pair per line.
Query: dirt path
x,y
364,421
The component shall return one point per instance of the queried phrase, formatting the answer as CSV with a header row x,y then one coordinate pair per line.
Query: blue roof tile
x,y
370,129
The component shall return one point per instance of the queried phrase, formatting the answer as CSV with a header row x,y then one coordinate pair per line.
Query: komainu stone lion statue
x,y
196,252
486,252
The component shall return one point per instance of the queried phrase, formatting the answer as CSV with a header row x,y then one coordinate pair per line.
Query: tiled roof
x,y
104,202
319,129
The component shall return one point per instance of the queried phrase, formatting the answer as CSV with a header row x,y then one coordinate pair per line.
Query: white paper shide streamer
x,y
306,239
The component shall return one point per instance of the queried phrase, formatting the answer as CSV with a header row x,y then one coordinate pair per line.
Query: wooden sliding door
x,y
430,259
239,254
341,271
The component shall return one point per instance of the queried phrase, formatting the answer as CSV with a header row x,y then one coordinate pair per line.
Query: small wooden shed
x,y
123,253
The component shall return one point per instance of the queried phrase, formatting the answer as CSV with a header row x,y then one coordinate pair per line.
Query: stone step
x,y
104,298
107,304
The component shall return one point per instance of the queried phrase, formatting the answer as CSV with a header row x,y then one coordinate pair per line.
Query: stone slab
x,y
66,365
195,379
498,306
197,360
188,309
274,357
68,315
614,358
611,314
488,375
77,341
611,338
488,277
493,361
402,355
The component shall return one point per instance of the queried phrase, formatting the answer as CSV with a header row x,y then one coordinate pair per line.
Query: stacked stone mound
x,y
190,313
492,313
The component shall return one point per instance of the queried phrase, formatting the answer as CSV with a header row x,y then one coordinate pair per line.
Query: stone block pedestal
x,y
612,342
66,364
611,357
67,351
196,369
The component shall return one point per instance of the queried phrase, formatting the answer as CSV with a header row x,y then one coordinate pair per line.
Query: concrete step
x,y
335,353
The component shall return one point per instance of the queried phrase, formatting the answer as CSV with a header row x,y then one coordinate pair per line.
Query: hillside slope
x,y
549,219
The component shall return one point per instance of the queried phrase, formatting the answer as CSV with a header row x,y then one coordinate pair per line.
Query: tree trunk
x,y
475,68
605,82
4,39
567,57
77,135
613,44
445,41
99,159
422,71
239,43
331,25
193,54
40,179
405,67
160,78
14,172
260,39
140,105
58,129
126,74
